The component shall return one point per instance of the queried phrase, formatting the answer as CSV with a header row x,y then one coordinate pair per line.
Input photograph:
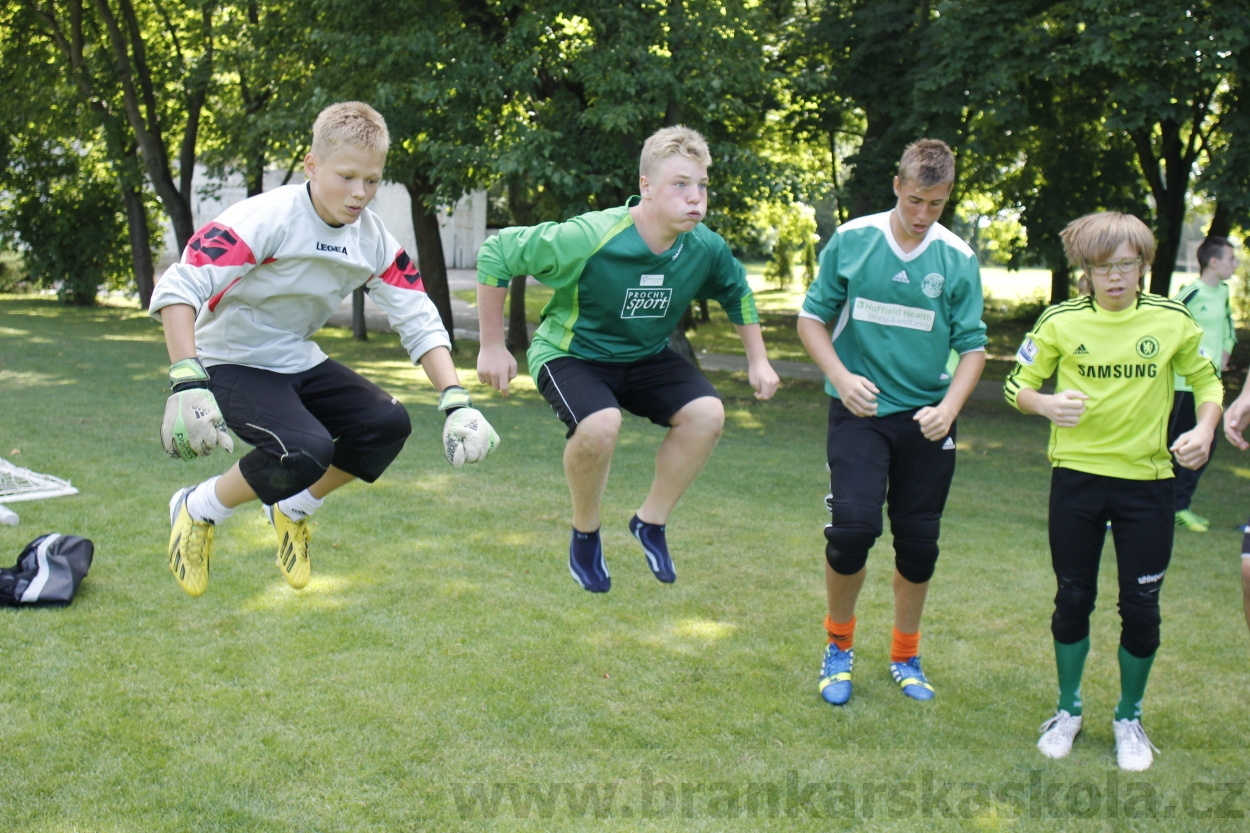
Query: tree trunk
x,y
1167,174
677,338
359,331
140,247
139,97
1060,283
430,258
518,338
1221,221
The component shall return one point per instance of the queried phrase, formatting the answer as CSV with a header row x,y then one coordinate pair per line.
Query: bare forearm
x,y
490,306
440,369
964,382
178,321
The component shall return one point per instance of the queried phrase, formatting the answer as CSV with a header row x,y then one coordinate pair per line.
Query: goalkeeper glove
x,y
193,424
467,436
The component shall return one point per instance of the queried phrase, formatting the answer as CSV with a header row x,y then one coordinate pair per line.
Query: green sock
x,y
1134,671
1070,662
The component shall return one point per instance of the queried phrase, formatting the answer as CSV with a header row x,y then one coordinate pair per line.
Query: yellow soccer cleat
x,y
190,545
293,539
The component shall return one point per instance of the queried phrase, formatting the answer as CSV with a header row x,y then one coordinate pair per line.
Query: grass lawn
x,y
442,672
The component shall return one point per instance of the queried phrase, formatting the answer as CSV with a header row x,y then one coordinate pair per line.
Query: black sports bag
x,y
47,572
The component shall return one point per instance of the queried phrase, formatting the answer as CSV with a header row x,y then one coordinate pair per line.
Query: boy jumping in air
x,y
622,278
239,309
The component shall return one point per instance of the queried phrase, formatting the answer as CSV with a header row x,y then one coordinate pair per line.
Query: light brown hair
x,y
927,163
1095,237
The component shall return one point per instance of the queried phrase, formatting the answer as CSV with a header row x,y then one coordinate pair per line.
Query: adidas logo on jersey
x,y
949,445
901,277
1080,351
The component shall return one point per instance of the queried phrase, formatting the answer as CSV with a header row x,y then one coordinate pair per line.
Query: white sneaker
x,y
1132,747
1058,734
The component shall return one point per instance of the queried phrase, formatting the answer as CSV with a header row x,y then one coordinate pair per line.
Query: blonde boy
x,y
622,278
239,309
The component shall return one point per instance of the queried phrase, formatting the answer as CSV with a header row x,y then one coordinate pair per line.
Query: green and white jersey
x,y
1210,307
615,300
1123,361
899,314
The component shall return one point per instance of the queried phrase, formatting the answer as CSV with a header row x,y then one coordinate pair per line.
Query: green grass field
x,y
443,672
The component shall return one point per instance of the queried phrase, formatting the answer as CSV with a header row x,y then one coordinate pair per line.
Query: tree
x,y
1034,137
66,177
432,76
260,112
1170,72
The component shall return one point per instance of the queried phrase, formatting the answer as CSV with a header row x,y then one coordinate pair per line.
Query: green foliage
x,y
68,223
12,272
791,231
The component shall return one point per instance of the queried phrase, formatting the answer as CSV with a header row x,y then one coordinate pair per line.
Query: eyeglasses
x,y
1121,266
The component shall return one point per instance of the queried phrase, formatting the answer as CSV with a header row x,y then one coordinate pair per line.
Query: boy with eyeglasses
x,y
1208,302
1114,353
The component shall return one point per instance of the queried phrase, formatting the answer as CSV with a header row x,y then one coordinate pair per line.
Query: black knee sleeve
x,y
1139,621
273,478
1073,606
849,538
916,548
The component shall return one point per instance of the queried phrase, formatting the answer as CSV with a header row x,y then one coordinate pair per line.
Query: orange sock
x,y
904,646
841,634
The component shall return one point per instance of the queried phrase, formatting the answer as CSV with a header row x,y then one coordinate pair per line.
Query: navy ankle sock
x,y
655,545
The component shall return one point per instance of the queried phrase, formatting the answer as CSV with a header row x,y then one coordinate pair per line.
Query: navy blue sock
x,y
586,562
654,544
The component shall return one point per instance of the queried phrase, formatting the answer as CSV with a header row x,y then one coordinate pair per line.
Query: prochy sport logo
x,y
646,302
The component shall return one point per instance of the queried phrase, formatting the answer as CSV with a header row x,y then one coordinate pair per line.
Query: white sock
x,y
203,505
298,507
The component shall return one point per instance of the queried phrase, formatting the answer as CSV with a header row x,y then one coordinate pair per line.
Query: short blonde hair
x,y
1095,237
678,140
927,163
350,123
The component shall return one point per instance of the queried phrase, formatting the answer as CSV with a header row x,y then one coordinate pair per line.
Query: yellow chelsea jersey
x,y
1124,362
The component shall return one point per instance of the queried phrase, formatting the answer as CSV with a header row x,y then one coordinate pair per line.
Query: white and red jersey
x,y
269,272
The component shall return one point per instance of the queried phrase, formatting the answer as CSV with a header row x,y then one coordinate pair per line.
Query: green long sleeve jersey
x,y
1211,308
898,314
1123,361
615,300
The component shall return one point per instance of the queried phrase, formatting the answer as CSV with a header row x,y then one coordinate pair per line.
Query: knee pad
x,y
1073,606
1139,622
916,548
849,538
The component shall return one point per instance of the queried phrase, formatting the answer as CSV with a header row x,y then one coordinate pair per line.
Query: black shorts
x,y
299,424
887,460
655,387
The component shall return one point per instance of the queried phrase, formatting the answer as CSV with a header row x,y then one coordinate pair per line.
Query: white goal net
x,y
17,483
